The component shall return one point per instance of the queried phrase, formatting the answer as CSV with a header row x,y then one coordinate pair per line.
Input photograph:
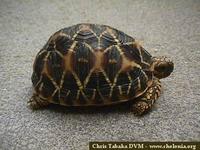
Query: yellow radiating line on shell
x,y
41,86
68,92
39,81
46,57
139,84
120,90
120,50
54,92
129,88
108,48
41,52
75,35
114,83
94,94
46,72
79,84
98,38
106,77
139,49
78,94
77,80
57,51
72,46
115,38
88,46
99,41
129,76
88,77
144,75
64,34
62,79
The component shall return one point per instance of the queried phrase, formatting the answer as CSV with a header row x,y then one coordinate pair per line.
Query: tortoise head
x,y
163,67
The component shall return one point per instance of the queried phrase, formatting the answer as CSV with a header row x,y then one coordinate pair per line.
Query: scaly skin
x,y
36,102
145,103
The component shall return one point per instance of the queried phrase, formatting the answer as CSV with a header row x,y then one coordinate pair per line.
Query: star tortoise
x,y
96,65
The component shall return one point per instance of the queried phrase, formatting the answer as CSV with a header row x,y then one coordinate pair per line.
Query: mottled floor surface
x,y
168,27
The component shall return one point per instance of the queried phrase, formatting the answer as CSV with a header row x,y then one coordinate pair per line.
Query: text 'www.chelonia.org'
x,y
143,145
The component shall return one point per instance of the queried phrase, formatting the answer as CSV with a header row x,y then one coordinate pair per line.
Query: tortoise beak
x,y
169,69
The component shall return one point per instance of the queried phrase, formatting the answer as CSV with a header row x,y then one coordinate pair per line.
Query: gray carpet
x,y
168,27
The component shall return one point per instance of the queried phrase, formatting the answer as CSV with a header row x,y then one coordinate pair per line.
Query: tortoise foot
x,y
36,102
140,108
146,102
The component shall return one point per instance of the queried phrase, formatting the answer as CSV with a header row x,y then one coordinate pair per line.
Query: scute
x,y
83,61
46,87
88,37
106,40
113,61
62,44
65,73
69,82
55,66
138,54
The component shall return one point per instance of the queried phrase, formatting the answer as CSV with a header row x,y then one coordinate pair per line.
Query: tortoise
x,y
97,65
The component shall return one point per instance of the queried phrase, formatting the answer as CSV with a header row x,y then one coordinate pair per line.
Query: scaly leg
x,y
145,103
37,102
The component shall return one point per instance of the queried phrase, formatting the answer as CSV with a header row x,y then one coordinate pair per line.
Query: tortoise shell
x,y
90,64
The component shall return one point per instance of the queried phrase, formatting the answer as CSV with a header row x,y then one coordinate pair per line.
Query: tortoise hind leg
x,y
37,102
145,103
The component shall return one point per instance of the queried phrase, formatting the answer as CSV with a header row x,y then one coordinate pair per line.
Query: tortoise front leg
x,y
145,103
37,102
